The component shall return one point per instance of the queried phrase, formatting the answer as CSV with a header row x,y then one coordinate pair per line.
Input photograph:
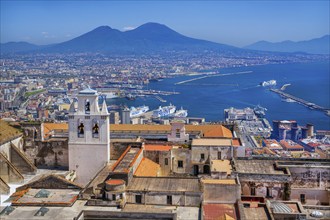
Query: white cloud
x,y
128,28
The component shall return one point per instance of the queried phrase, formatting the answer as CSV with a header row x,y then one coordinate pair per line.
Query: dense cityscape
x,y
81,138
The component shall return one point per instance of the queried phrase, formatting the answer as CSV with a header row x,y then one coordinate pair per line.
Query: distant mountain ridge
x,y
156,38
313,46
147,38
18,47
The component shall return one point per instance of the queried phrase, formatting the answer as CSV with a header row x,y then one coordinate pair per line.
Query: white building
x,y
89,138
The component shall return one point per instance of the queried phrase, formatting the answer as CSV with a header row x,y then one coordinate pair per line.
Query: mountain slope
x,y
313,46
147,38
14,47
150,37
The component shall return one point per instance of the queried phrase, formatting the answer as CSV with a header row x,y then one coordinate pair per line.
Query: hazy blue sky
x,y
232,22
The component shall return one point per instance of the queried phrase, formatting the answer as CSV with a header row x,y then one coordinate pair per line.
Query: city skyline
x,y
234,23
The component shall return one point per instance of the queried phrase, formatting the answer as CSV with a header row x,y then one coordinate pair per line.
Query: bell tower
x,y
89,136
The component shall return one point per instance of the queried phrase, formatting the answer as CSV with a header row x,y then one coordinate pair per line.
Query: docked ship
x,y
110,95
135,112
268,83
181,113
259,111
164,111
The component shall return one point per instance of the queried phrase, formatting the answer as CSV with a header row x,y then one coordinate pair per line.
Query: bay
x,y
208,97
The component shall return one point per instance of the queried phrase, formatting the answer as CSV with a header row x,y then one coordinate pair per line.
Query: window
x,y
166,161
202,156
87,107
169,200
138,199
81,130
180,164
219,155
302,198
157,159
253,191
113,196
95,129
269,192
177,133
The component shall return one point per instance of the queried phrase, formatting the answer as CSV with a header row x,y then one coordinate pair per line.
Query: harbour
x,y
301,101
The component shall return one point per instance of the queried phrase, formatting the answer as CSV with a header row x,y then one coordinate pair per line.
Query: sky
x,y
237,23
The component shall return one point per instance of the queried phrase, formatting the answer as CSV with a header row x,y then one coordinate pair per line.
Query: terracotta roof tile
x,y
149,147
219,211
147,168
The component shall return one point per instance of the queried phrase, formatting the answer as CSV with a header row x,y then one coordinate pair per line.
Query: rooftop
x,y
126,159
219,211
49,197
147,168
164,184
210,131
7,132
211,142
257,167
221,166
88,91
288,144
256,213
149,147
219,181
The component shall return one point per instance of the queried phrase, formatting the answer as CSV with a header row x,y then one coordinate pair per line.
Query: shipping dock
x,y
301,101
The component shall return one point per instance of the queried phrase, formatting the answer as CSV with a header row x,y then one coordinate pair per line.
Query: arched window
x,y
81,129
87,106
95,129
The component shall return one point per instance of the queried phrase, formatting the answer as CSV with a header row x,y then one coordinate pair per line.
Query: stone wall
x,y
310,177
5,147
275,190
181,154
21,162
8,173
51,153
161,198
321,195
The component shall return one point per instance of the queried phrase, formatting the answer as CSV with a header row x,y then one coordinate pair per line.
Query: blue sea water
x,y
209,97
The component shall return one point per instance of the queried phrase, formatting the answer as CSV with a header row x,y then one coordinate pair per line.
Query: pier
x,y
160,99
284,86
301,101
214,75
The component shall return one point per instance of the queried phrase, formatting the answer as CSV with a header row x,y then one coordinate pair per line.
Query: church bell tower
x,y
89,136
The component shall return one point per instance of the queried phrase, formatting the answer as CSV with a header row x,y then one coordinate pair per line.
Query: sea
x,y
240,87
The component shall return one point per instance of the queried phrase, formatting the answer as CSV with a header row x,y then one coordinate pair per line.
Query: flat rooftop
x,y
48,197
219,211
161,184
221,166
211,142
256,213
257,167
219,181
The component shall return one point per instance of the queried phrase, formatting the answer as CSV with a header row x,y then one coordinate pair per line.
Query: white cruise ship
x,y
164,111
269,83
135,112
182,113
